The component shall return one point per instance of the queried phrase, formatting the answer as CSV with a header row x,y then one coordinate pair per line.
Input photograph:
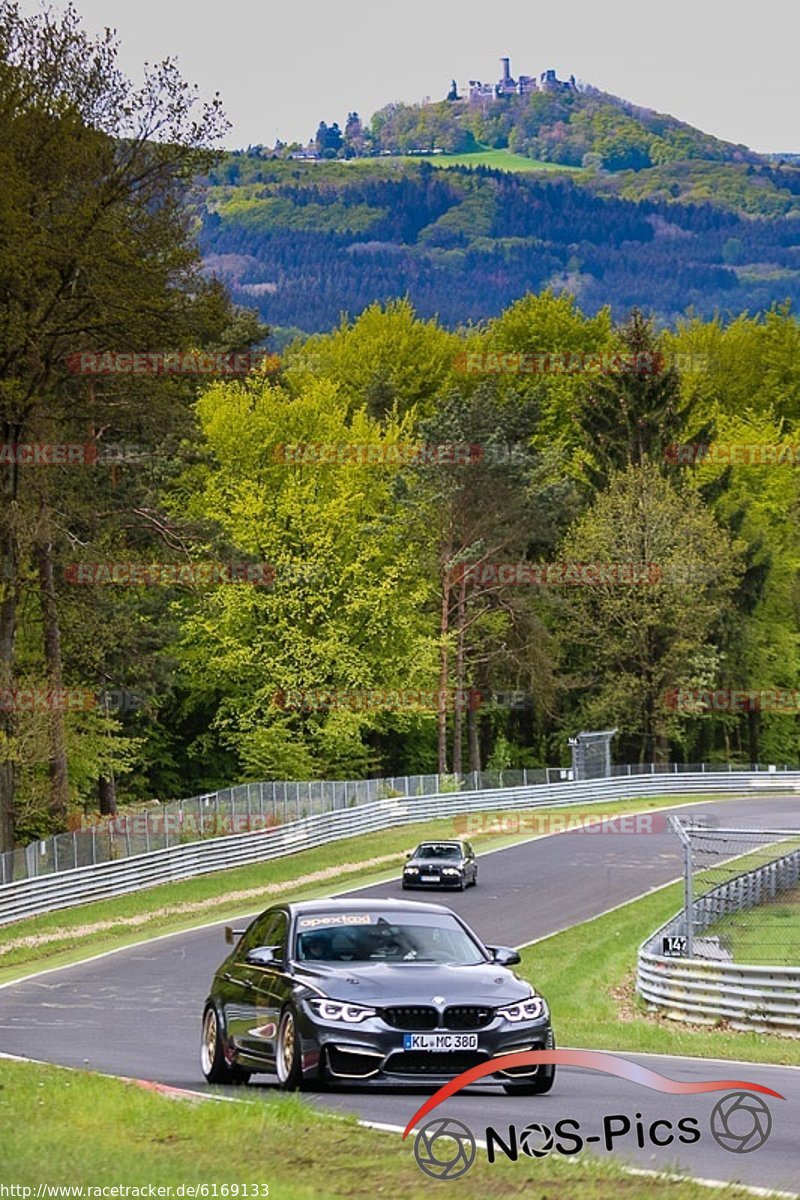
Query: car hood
x,y
383,983
426,863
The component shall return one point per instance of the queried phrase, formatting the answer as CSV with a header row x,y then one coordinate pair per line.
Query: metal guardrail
x,y
748,997
249,806
238,809
65,889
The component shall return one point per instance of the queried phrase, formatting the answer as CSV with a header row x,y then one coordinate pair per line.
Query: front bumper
x,y
441,881
374,1052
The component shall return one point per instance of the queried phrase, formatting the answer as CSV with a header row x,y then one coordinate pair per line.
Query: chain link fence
x,y
742,894
262,805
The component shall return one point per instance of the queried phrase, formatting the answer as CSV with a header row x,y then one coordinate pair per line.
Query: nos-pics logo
x,y
446,1148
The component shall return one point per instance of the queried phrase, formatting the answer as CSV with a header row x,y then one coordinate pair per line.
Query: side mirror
x,y
504,955
261,956
232,935
409,853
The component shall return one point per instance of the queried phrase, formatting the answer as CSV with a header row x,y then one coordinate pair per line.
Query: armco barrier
x,y
67,888
761,998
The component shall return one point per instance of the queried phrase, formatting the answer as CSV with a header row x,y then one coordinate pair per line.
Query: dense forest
x,y
305,242
406,542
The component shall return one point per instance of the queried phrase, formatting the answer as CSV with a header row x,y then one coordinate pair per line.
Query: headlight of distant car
x,y
532,1009
411,870
337,1010
451,870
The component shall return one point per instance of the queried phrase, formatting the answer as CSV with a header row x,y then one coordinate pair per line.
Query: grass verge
x,y
587,974
56,939
768,933
71,1128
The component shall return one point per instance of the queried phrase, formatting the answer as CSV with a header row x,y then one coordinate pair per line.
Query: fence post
x,y
688,883
55,853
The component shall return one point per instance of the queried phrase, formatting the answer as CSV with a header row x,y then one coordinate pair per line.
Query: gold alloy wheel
x,y
287,1046
208,1045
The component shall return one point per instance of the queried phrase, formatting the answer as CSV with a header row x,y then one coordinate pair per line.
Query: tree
x,y
97,253
630,416
627,646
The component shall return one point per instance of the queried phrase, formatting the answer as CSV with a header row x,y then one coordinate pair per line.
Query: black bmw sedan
x,y
441,865
369,990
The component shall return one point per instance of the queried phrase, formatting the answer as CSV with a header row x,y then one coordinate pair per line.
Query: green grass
x,y
55,939
587,974
498,160
71,1128
768,933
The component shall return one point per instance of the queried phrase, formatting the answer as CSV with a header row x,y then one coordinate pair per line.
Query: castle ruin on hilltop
x,y
508,86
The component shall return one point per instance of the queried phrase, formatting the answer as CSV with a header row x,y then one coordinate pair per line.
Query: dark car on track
x,y
441,865
369,990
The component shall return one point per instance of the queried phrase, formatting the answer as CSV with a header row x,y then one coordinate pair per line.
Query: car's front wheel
x,y
542,1082
288,1066
213,1063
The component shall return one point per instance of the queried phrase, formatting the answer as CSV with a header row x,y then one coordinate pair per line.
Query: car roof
x,y
441,842
296,907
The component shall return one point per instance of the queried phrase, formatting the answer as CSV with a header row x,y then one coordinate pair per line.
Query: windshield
x,y
405,940
435,850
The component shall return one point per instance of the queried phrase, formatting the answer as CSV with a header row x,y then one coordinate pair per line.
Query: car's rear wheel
x,y
288,1066
213,1063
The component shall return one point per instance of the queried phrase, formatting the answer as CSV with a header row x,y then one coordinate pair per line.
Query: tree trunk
x,y
444,628
107,793
458,705
752,733
59,777
473,720
9,583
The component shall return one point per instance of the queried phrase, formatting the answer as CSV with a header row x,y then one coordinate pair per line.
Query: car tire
x,y
213,1063
542,1083
288,1065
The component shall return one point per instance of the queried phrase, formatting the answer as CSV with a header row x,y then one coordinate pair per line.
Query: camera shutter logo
x,y
741,1122
536,1140
444,1148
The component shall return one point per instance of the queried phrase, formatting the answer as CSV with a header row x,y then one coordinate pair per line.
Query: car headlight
x,y
451,870
411,870
532,1009
338,1010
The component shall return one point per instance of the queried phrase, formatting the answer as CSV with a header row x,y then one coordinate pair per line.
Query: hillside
x,y
305,241
555,121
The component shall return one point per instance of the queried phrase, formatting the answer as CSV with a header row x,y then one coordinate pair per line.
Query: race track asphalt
x,y
136,1012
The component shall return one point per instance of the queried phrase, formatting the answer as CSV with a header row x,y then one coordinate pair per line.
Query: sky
x,y
727,66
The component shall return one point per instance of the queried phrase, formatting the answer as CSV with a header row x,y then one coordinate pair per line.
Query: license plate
x,y
440,1041
429,878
